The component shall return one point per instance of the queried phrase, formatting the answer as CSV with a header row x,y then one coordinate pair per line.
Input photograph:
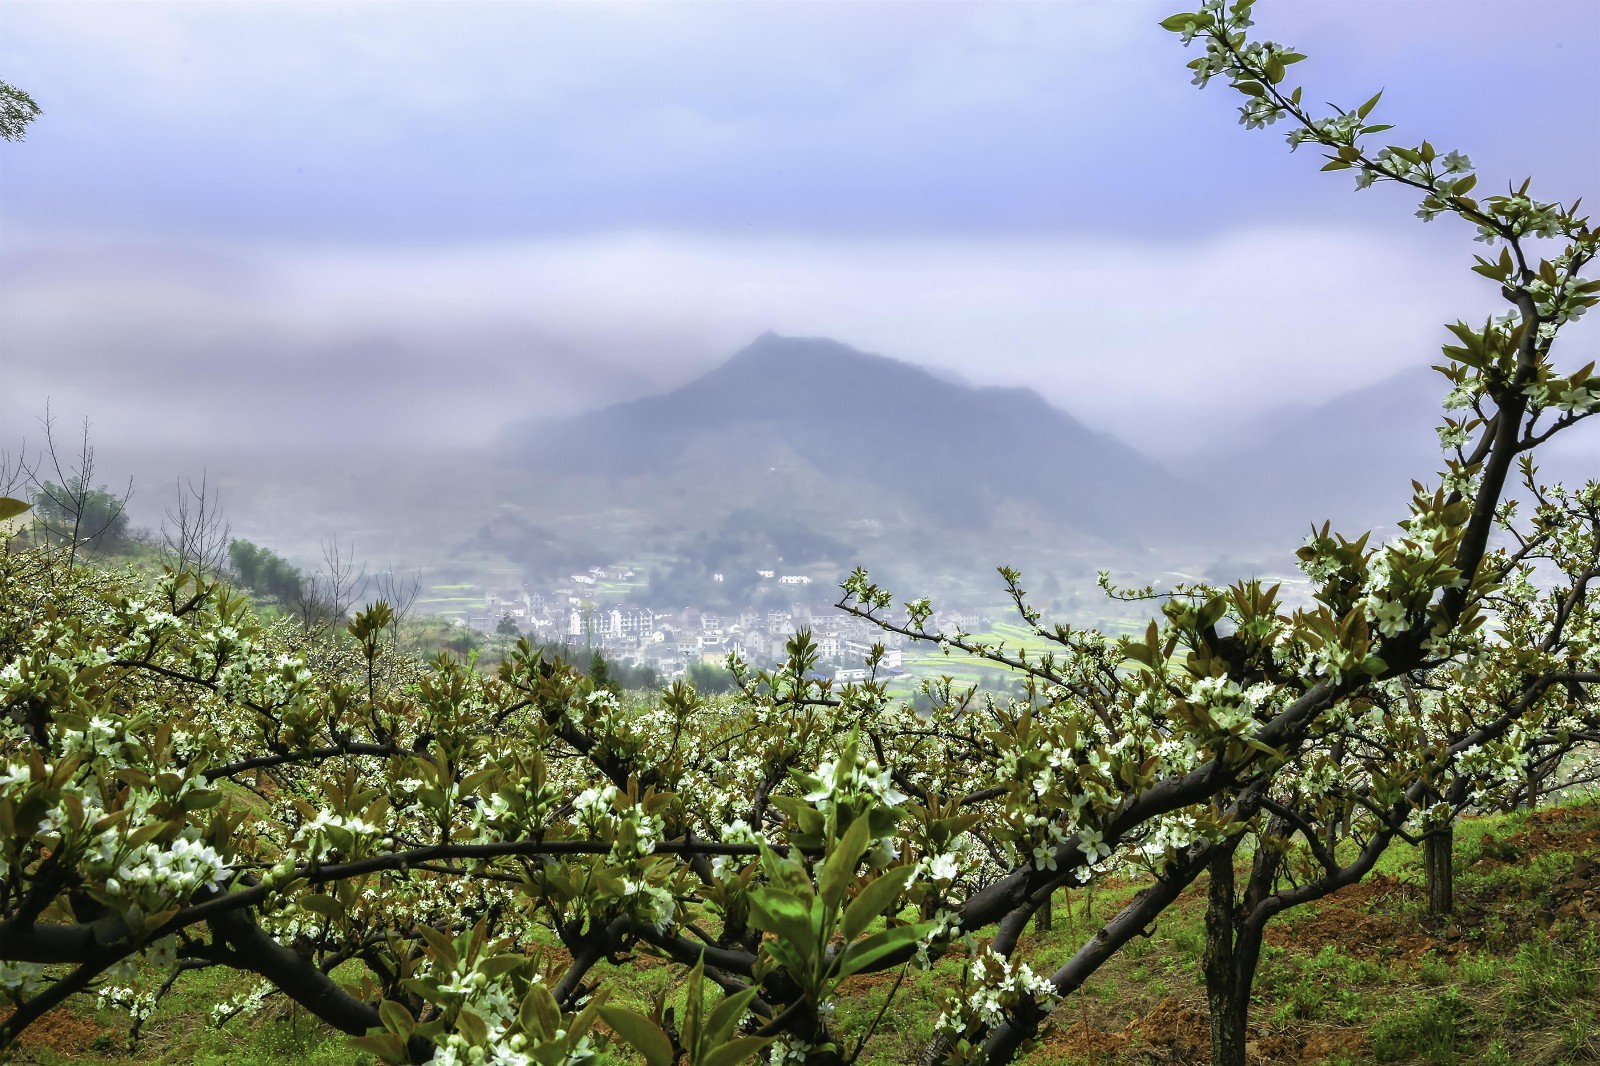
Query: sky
x,y
411,223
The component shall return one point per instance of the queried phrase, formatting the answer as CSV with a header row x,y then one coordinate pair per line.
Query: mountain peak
x,y
824,374
772,345
889,429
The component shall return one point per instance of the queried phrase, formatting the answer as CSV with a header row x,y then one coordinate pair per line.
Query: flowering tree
x,y
1463,733
447,865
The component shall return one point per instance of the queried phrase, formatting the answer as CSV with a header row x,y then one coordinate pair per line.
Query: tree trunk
x,y
1227,997
1438,864
936,1050
1337,824
1042,918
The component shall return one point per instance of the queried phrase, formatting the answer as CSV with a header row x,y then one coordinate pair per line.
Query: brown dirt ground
x,y
59,1031
1356,919
1176,1032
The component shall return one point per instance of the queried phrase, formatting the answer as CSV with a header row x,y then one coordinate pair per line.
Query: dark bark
x,y
1234,932
1438,865
586,950
934,1052
1227,998
102,941
1438,855
299,978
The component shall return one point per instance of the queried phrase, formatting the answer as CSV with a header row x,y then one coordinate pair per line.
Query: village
x,y
670,640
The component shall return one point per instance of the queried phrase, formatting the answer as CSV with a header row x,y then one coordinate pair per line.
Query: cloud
x,y
1160,343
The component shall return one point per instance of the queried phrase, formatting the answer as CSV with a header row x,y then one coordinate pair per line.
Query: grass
x,y
1432,1031
181,1032
1362,976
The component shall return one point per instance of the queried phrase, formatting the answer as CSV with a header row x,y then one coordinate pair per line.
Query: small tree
x,y
69,510
73,514
194,534
323,600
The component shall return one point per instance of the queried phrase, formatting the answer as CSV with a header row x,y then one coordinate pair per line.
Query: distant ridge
x,y
814,408
1351,459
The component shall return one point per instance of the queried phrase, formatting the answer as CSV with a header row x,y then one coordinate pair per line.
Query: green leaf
x,y
426,987
1176,23
789,957
387,1046
443,949
200,801
802,814
584,1020
735,1051
500,965
539,1014
470,1024
145,833
878,946
873,899
726,1018
155,921
321,904
839,869
689,1034
1211,613
10,508
1365,109
783,915
641,1034
396,1018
